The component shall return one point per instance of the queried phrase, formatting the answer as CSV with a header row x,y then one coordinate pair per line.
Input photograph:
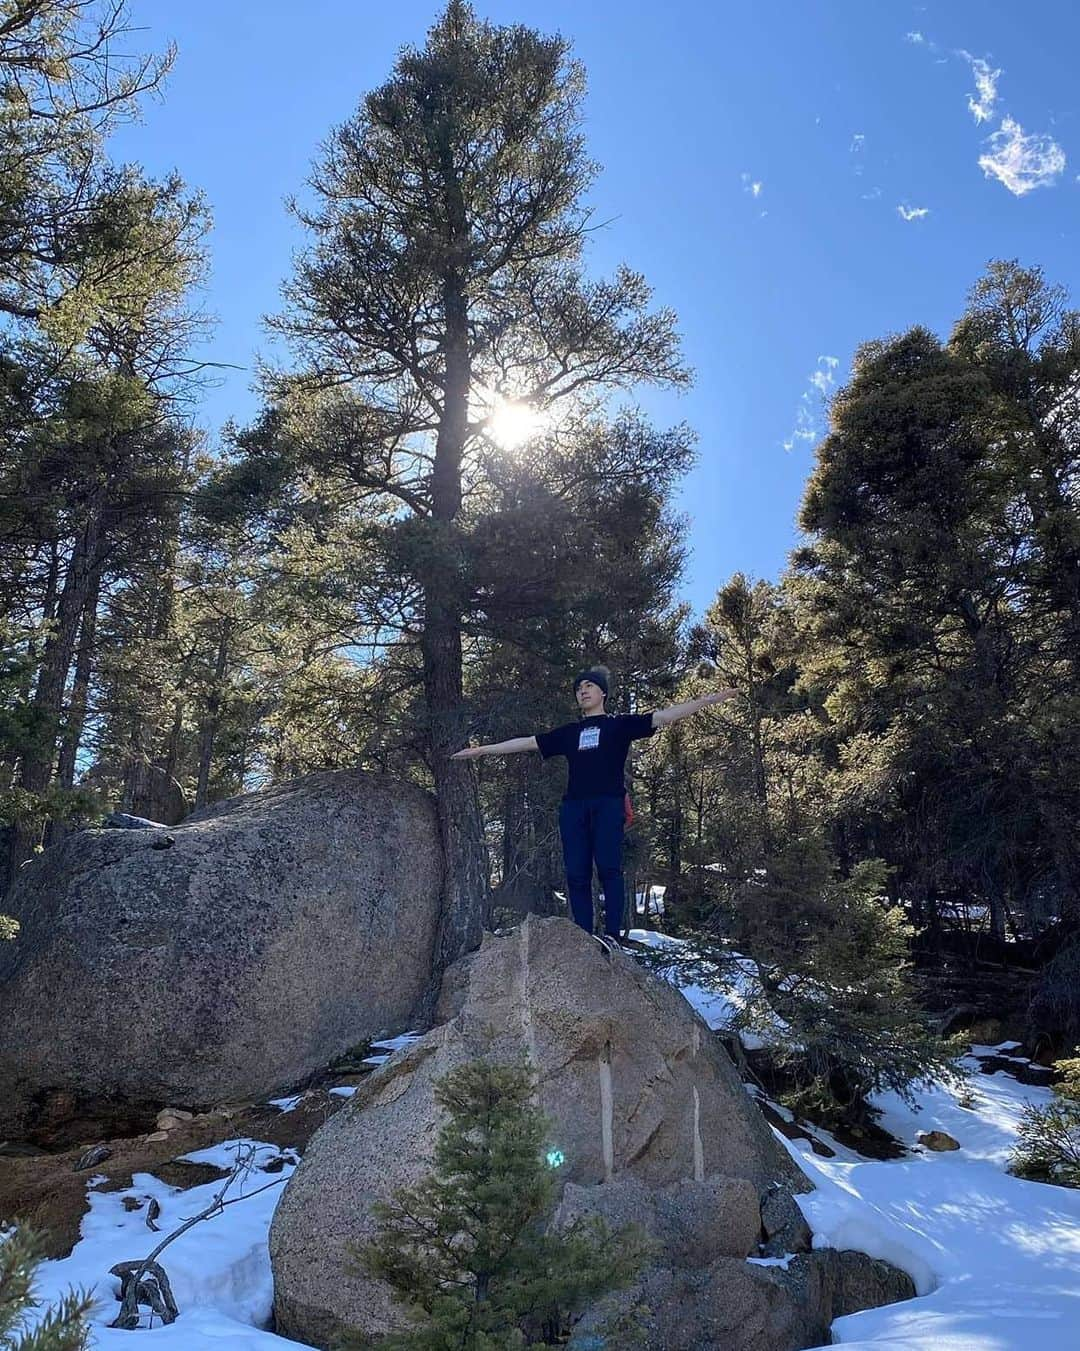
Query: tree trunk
x,y
210,718
77,704
465,893
36,771
75,723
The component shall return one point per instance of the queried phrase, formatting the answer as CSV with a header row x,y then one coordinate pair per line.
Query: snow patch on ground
x,y
219,1270
995,1259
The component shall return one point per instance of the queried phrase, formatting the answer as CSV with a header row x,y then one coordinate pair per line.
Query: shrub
x,y
468,1251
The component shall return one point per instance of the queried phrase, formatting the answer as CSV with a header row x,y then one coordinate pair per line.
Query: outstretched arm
x,y
511,747
663,716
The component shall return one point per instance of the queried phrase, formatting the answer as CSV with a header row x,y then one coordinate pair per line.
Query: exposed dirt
x,y
44,1191
791,1129
1020,1068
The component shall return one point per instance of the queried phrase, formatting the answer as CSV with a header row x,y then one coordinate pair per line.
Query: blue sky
x,y
793,178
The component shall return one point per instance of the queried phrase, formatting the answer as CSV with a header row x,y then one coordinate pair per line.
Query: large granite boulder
x,y
225,958
647,1108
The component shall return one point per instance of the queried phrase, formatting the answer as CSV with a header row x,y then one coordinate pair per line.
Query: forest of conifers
x,y
367,575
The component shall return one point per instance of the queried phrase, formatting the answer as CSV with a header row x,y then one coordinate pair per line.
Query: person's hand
x,y
719,696
468,753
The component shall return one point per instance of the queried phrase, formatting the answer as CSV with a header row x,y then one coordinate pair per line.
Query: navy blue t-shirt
x,y
595,750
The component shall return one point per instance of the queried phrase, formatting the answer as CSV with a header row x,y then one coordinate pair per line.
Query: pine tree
x,y
1048,1137
68,77
936,617
832,995
63,1328
827,947
466,1251
445,279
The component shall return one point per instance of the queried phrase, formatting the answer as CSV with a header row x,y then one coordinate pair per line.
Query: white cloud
x,y
982,108
913,212
805,427
1019,161
872,195
806,421
857,142
751,185
1022,162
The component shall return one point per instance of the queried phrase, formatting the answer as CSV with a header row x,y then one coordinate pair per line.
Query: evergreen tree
x,y
828,951
67,78
831,993
467,1251
1048,1137
63,1328
445,279
1024,338
936,629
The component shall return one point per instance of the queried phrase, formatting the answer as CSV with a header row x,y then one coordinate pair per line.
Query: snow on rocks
x,y
385,1049
995,1259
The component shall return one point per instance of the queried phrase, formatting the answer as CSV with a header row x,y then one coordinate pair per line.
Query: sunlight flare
x,y
511,423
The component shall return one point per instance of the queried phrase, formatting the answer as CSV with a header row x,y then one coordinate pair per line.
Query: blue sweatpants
x,y
592,830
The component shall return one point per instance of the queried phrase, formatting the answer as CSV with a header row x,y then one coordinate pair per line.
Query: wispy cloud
x,y
1019,161
913,212
1022,162
751,185
821,378
982,107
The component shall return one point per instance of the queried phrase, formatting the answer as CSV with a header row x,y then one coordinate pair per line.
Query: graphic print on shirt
x,y
588,739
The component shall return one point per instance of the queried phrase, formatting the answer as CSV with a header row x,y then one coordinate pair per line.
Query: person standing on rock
x,y
593,812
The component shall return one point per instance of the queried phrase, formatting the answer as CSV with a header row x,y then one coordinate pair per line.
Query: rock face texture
x,y
226,958
649,1113
732,1305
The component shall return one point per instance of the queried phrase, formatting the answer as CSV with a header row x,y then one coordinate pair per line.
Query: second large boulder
x,y
226,958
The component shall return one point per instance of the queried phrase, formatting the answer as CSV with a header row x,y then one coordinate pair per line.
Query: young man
x,y
591,813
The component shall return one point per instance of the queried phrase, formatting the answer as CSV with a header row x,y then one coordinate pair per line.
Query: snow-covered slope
x,y
219,1270
996,1260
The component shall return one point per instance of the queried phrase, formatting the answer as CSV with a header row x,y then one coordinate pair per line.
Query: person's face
x,y
590,698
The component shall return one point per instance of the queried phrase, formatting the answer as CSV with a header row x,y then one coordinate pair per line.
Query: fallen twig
x,y
135,1289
